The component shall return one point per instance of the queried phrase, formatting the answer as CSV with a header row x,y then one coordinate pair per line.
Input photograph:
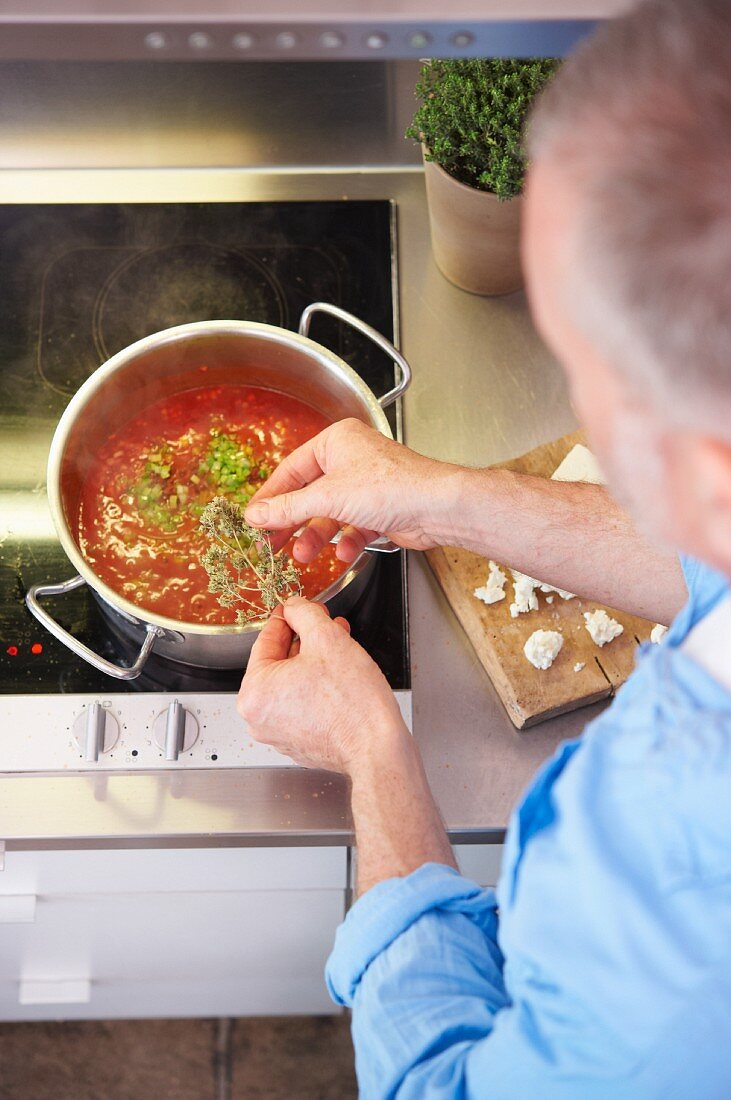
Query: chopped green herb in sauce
x,y
227,468
231,467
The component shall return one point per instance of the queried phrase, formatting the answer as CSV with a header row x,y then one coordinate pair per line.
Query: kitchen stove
x,y
80,282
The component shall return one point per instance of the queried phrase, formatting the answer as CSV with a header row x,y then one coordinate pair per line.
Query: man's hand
x,y
313,693
352,477
316,696
573,536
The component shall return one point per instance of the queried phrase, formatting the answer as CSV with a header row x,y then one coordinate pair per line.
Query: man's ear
x,y
712,481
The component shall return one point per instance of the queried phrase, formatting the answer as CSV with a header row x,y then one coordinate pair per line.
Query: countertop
x,y
485,389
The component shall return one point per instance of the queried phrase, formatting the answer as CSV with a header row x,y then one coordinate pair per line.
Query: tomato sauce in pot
x,y
140,506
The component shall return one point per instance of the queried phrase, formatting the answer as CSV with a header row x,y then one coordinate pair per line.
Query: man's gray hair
x,y
640,117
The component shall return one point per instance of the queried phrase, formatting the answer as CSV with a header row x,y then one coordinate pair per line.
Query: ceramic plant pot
x,y
474,235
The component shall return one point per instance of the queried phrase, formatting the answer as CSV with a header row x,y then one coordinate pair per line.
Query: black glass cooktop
x,y
80,282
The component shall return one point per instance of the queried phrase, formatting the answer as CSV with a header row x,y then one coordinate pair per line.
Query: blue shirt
x,y
606,972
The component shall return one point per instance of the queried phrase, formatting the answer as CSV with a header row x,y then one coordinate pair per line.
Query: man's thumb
x,y
290,510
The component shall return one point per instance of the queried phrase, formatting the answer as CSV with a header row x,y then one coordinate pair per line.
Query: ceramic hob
x,y
82,281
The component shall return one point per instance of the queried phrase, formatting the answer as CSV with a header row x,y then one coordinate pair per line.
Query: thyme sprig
x,y
472,114
235,548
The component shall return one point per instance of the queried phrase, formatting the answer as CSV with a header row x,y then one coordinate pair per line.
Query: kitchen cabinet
x,y
88,934
168,932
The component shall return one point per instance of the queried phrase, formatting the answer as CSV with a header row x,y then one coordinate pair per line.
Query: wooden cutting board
x,y
531,695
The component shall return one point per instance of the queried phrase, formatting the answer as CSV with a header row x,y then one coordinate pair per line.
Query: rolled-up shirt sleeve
x,y
418,959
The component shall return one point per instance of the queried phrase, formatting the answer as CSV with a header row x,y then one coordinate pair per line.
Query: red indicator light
x,y
12,651
36,648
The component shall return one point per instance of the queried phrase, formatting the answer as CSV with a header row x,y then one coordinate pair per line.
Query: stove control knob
x,y
175,730
96,731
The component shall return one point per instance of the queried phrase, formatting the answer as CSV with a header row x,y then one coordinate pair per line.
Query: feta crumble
x,y
494,588
543,647
579,665
525,594
601,627
560,591
657,633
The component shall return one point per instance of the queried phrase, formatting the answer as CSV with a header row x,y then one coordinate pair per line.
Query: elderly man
x,y
606,970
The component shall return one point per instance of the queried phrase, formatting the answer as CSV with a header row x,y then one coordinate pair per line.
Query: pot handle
x,y
119,672
372,334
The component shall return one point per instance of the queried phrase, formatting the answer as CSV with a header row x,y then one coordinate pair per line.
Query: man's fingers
x,y
315,536
298,470
272,644
352,542
294,472
305,618
294,648
343,623
279,539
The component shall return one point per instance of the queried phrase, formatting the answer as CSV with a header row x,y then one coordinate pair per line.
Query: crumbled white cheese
x,y
525,594
560,591
579,465
601,627
494,588
543,647
579,665
657,633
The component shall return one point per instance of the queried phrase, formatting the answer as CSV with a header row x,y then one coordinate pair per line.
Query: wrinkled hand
x,y
314,694
352,477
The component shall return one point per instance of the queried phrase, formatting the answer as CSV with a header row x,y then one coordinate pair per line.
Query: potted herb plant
x,y
469,124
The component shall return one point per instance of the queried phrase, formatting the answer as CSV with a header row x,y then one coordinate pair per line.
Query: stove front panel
x,y
136,733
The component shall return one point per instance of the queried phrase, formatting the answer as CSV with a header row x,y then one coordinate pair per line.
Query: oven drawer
x,y
227,953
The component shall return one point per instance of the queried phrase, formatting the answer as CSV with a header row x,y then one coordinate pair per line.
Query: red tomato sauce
x,y
140,506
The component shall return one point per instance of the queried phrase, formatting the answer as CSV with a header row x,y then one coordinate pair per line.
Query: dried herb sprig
x,y
236,548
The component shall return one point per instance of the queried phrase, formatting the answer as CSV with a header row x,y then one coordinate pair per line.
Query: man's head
x,y
627,252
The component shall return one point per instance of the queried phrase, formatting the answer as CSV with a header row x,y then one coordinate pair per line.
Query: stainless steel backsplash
x,y
207,115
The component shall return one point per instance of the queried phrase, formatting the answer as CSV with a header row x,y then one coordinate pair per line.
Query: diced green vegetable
x,y
159,469
227,468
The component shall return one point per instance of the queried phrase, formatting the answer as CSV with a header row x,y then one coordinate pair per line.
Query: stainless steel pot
x,y
157,366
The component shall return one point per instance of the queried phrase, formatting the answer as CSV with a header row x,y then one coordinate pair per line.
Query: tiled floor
x,y
283,1058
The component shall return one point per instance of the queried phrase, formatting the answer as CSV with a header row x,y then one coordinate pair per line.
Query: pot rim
x,y
97,379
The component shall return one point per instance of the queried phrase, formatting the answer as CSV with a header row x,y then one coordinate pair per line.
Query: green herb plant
x,y
235,548
471,118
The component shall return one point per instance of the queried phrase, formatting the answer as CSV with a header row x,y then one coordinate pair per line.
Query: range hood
x,y
293,29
